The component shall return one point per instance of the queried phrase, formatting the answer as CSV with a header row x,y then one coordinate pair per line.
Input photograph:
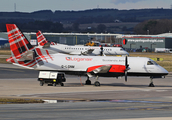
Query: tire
x,y
97,83
54,84
61,84
41,83
151,85
88,82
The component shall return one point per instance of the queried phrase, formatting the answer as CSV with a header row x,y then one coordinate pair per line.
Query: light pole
x,y
148,32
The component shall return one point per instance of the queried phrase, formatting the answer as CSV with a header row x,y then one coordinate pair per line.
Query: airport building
x,y
129,42
72,38
78,38
138,43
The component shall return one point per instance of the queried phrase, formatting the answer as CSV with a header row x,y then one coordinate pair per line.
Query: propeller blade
x,y
101,50
126,68
125,76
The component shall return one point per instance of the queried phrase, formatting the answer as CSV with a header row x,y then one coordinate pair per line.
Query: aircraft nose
x,y
126,53
163,70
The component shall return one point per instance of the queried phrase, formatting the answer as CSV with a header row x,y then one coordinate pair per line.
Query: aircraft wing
x,y
47,45
105,69
89,51
99,69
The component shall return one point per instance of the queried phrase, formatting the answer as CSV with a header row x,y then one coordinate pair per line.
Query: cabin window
x,y
151,63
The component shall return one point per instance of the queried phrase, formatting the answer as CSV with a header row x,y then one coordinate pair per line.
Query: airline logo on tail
x,y
41,39
23,53
19,46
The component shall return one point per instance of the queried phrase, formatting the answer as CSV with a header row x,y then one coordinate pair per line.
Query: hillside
x,y
99,20
89,16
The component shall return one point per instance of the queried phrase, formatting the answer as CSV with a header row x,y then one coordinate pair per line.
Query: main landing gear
x,y
88,82
97,83
151,82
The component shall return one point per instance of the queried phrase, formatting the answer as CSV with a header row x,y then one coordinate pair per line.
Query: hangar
x,y
138,43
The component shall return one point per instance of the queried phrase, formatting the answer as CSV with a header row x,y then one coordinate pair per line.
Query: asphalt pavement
x,y
114,99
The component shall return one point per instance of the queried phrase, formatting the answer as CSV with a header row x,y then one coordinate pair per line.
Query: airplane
x,y
25,55
78,50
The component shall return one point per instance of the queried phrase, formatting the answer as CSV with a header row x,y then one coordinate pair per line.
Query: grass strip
x,y
18,101
3,60
5,52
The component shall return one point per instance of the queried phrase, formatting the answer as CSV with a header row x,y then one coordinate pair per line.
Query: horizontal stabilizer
x,y
47,45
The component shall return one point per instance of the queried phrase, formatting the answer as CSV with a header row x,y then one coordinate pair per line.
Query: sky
x,y
76,5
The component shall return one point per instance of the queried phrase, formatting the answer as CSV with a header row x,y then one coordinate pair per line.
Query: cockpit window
x,y
121,49
151,63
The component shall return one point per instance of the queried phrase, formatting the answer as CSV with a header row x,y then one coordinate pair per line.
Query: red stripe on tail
x,y
41,39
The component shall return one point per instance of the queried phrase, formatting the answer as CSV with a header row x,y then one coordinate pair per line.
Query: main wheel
x,y
61,84
97,83
54,84
41,83
88,82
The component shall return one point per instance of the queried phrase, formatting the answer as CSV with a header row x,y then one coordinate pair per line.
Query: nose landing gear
x,y
151,82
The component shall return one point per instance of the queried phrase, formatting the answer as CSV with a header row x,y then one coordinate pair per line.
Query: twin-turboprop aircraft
x,y
79,50
25,55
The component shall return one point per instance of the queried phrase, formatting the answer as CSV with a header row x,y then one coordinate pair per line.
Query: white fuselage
x,y
138,65
77,50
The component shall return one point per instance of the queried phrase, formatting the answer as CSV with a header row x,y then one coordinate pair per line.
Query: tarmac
x,y
134,91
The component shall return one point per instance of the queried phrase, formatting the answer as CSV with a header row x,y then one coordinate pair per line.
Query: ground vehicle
x,y
163,50
170,51
53,78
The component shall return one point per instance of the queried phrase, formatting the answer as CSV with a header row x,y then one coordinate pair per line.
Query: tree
x,y
75,26
101,28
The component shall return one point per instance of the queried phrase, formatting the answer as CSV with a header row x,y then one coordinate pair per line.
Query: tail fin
x,y
21,49
41,39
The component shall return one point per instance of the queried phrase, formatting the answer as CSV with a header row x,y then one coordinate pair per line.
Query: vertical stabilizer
x,y
41,39
21,49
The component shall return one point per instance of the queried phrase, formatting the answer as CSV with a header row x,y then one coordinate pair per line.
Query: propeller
x,y
101,50
126,68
